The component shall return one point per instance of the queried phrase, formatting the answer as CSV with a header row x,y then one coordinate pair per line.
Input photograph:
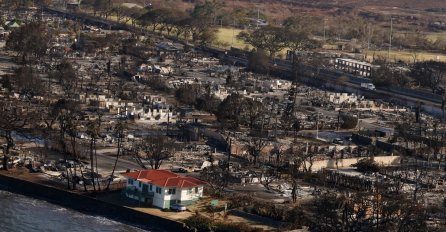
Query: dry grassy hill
x,y
277,10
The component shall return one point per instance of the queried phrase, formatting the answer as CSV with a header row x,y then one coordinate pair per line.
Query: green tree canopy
x,y
29,41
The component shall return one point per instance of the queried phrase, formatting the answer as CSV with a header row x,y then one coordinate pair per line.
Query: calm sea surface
x,y
22,214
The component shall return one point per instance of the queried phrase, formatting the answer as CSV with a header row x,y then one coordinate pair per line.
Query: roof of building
x,y
13,23
168,46
164,178
353,61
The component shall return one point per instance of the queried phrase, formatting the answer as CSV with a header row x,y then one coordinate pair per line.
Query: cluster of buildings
x,y
318,137
151,108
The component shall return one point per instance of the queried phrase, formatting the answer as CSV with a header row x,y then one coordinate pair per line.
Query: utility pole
x,y
229,153
168,122
233,32
258,18
233,25
325,21
368,40
317,126
390,39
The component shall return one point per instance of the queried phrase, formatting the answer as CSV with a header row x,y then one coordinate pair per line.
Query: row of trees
x,y
428,74
294,34
199,96
196,25
58,120
367,212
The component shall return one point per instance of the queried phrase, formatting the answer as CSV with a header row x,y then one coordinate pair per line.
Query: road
x,y
7,66
106,161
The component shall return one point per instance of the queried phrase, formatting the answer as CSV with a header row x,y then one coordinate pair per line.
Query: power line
x,y
390,39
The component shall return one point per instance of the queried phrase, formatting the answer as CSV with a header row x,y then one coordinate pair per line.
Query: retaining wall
x,y
343,163
89,205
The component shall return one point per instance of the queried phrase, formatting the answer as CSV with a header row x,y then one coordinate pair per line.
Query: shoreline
x,y
87,205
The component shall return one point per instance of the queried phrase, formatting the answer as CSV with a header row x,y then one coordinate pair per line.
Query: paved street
x,y
106,161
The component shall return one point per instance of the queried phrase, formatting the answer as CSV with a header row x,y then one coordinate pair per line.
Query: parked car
x,y
178,207
338,141
179,170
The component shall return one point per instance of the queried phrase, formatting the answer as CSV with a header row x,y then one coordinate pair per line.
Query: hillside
x,y
277,10
408,4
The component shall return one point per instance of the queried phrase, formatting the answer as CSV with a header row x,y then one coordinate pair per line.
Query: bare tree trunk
x,y
120,134
92,164
96,162
64,151
294,191
73,145
83,179
9,145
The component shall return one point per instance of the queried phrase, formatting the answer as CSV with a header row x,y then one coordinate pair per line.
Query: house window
x,y
130,181
172,191
145,188
150,187
140,184
196,189
158,190
189,191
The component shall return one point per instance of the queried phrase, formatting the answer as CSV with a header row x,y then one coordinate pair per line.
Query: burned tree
x,y
255,147
29,41
67,111
93,130
430,74
13,119
65,74
254,111
266,175
155,150
217,178
230,110
27,82
276,154
120,130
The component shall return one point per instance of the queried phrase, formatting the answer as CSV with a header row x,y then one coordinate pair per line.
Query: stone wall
x,y
89,205
342,163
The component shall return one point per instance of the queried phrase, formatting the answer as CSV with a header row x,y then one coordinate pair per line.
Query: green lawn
x,y
226,38
436,35
406,56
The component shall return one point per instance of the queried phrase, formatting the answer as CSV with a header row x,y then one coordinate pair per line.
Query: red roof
x,y
164,178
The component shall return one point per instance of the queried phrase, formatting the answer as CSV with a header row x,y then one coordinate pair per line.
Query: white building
x,y
162,188
339,98
277,84
355,67
221,93
152,115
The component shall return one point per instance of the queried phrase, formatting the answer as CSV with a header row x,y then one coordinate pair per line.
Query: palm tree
x,y
120,132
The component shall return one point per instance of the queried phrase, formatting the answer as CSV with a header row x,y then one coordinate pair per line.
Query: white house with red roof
x,y
162,188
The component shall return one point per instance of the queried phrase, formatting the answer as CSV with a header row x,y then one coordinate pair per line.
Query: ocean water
x,y
23,214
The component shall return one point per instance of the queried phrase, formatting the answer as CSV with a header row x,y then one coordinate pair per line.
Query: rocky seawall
x,y
88,205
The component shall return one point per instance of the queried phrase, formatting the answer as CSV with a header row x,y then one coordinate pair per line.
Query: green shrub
x,y
239,200
199,223
367,166
235,227
348,121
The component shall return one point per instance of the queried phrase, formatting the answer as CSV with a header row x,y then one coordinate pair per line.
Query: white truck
x,y
368,86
